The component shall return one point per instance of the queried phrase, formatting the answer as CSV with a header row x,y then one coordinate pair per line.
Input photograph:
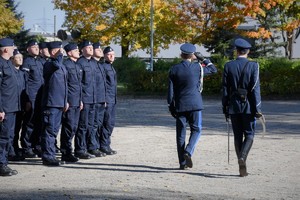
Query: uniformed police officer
x,y
54,101
185,101
44,52
32,125
241,100
87,114
100,100
9,103
17,60
111,100
71,116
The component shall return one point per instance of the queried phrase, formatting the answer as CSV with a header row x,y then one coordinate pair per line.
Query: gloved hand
x,y
172,110
199,56
258,115
226,112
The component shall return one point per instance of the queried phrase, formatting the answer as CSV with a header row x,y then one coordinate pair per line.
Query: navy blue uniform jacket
x,y
88,67
12,85
184,83
33,69
74,82
111,82
230,82
100,83
55,88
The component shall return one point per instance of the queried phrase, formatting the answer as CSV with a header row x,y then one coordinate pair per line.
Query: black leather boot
x,y
247,144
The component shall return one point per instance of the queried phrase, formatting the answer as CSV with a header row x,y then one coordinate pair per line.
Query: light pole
x,y
151,36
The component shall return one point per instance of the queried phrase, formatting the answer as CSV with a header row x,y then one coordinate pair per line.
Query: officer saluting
x,y
241,100
185,100
54,101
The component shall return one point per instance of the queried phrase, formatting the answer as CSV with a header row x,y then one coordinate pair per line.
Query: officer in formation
x,y
54,101
17,60
94,148
242,100
185,100
10,104
32,124
44,52
71,116
111,100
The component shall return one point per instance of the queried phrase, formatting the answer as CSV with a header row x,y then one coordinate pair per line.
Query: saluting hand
x,y
2,116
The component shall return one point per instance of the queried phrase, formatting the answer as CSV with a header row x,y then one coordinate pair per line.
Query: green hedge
x,y
278,76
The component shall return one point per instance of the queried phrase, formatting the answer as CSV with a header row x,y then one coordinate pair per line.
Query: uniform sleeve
x,y
225,88
1,76
170,89
209,68
255,90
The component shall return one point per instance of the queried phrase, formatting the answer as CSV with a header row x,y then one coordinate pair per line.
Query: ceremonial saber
x,y
228,132
262,119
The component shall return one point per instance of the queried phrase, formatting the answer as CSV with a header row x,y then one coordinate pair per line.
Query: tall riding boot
x,y
243,156
238,148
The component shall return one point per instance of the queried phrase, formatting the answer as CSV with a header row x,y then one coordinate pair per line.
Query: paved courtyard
x,y
146,165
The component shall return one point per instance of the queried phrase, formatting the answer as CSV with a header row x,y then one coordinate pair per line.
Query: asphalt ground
x,y
146,166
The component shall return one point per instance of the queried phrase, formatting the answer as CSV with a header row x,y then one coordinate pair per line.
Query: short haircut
x,y
186,56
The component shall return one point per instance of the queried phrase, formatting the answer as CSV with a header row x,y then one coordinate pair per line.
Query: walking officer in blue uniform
x,y
111,100
71,116
84,133
242,100
9,103
32,124
100,104
185,101
54,102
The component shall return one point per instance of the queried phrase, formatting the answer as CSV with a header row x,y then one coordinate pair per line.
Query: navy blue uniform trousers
x,y
51,123
68,130
7,131
108,125
194,119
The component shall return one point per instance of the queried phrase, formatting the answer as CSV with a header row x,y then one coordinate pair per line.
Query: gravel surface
x,y
146,166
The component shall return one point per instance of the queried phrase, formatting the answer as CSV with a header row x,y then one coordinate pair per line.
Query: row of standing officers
x,y
47,92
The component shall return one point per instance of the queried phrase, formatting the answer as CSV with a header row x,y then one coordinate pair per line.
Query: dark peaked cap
x,y
187,48
242,44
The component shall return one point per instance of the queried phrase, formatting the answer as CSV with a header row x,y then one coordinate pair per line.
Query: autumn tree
x,y
9,24
124,22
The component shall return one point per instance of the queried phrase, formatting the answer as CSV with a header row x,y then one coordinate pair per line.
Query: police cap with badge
x,y
16,52
32,43
70,47
85,43
107,50
54,45
97,45
43,45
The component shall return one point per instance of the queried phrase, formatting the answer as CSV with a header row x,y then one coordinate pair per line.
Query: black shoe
x,y
242,167
6,171
188,160
69,158
84,155
183,167
108,151
30,154
51,162
16,158
38,152
97,153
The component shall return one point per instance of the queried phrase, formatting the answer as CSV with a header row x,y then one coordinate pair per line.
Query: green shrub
x,y
278,76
